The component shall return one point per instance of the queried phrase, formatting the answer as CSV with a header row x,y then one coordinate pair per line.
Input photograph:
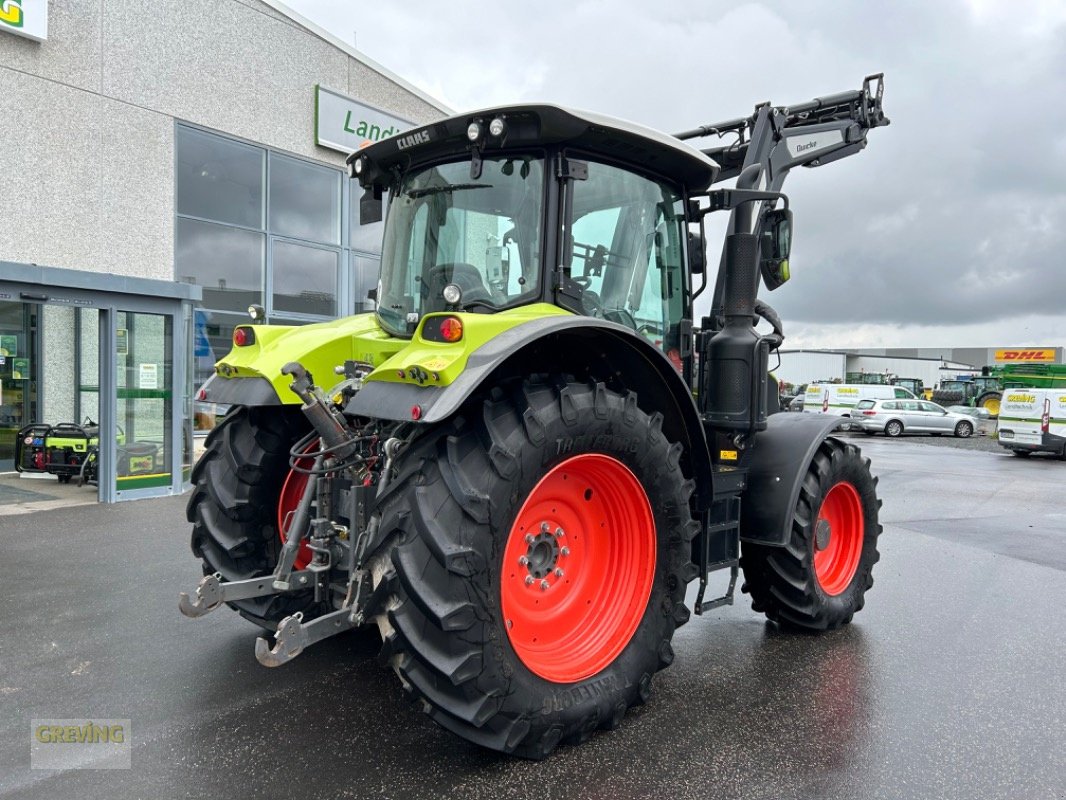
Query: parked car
x,y
980,414
897,417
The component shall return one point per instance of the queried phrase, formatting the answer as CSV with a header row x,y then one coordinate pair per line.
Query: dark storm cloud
x,y
954,214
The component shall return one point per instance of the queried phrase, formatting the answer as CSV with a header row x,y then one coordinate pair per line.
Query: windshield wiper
x,y
451,187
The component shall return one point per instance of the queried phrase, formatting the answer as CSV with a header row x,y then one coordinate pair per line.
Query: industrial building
x,y
930,364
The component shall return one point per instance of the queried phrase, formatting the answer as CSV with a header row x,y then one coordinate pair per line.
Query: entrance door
x,y
18,374
144,407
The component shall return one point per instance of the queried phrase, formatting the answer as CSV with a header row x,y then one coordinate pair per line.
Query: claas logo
x,y
11,13
1021,398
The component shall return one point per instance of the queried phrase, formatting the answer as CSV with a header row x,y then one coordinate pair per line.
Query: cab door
x,y
627,258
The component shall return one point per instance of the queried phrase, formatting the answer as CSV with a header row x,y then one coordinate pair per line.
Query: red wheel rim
x,y
838,548
288,501
578,568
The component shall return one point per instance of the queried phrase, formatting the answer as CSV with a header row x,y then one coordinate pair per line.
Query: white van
x,y
1033,421
840,398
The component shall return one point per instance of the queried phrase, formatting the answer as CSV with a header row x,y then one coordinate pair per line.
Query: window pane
x,y
364,237
219,178
364,278
305,200
627,252
305,279
227,262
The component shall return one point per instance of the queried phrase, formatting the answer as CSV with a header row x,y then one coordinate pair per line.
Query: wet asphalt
x,y
950,684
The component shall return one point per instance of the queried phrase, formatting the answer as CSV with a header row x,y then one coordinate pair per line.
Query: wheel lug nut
x,y
559,533
558,572
544,527
529,538
565,551
544,586
522,561
529,580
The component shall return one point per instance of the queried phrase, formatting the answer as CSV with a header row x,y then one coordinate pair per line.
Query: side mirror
x,y
697,253
370,206
775,247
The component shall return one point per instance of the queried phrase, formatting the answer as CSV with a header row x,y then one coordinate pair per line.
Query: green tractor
x,y
979,391
529,453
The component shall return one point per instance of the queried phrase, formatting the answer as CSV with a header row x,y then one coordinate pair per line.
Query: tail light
x,y
869,413
442,329
242,337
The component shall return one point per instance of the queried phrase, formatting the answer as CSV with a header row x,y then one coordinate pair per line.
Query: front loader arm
x,y
809,134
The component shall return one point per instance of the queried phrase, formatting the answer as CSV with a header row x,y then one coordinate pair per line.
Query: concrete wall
x,y
87,118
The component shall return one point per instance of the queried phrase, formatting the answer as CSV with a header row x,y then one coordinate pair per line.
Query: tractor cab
x,y
534,204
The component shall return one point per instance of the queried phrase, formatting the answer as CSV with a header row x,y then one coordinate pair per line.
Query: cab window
x,y
627,256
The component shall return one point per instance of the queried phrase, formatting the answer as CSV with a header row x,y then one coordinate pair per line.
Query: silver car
x,y
896,417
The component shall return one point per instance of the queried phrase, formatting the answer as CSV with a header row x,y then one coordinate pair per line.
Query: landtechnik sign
x,y
27,18
344,124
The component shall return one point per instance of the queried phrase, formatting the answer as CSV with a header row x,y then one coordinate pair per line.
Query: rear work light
x,y
242,337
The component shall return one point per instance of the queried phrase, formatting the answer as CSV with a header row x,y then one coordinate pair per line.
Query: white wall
x,y
799,366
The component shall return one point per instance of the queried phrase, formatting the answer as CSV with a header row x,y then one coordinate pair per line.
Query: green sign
x,y
20,369
345,124
9,345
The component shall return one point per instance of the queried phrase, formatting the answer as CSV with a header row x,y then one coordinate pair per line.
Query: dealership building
x,y
165,165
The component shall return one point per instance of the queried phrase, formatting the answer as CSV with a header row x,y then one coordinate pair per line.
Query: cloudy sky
x,y
949,229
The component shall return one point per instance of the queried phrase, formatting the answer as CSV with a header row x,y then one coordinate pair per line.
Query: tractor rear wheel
x,y
234,505
819,579
991,402
537,551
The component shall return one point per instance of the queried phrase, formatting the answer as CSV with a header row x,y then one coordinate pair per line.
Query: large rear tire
x,y
536,560
819,579
234,504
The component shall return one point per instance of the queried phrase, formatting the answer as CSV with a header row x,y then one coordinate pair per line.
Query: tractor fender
x,y
586,347
777,464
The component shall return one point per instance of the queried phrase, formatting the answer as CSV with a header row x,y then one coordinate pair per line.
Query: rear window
x,y
865,404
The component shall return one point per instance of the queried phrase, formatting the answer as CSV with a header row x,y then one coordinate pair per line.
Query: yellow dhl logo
x,y
1039,354
1021,398
11,13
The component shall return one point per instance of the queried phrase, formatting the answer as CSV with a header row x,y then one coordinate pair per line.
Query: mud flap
x,y
776,464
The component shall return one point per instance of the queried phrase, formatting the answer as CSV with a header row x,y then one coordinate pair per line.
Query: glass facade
x,y
258,226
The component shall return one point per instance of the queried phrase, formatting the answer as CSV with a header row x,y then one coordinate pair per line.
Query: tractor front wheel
x,y
537,551
819,579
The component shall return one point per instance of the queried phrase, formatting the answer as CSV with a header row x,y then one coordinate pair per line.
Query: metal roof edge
x,y
15,272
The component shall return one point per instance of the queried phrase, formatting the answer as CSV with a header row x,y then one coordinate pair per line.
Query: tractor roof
x,y
535,125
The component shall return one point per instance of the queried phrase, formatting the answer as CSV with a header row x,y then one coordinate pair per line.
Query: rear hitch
x,y
212,592
293,636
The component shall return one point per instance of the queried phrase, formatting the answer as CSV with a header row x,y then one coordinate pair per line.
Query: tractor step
x,y
718,546
212,592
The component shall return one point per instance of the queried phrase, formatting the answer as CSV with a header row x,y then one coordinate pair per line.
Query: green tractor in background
x,y
978,391
528,454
